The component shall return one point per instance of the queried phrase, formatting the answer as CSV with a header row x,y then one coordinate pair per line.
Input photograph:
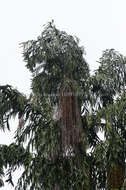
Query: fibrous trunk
x,y
71,126
115,177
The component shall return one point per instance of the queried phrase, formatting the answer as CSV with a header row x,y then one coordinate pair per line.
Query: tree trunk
x,y
115,177
71,124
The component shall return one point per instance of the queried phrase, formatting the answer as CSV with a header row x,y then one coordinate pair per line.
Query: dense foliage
x,y
55,132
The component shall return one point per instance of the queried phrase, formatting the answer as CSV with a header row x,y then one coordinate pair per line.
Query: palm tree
x,y
109,86
61,117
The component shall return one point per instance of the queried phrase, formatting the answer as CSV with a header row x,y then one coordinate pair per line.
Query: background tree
x,y
109,86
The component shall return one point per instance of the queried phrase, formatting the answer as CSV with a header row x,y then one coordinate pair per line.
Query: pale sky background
x,y
99,24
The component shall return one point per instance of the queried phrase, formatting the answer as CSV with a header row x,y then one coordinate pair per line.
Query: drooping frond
x,y
12,103
53,56
12,157
109,80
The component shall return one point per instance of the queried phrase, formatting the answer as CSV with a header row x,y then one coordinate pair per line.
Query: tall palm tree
x,y
61,117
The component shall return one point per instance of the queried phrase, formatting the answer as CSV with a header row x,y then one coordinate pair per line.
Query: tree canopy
x,y
60,120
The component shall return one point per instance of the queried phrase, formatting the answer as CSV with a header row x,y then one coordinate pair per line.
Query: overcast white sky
x,y
99,24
